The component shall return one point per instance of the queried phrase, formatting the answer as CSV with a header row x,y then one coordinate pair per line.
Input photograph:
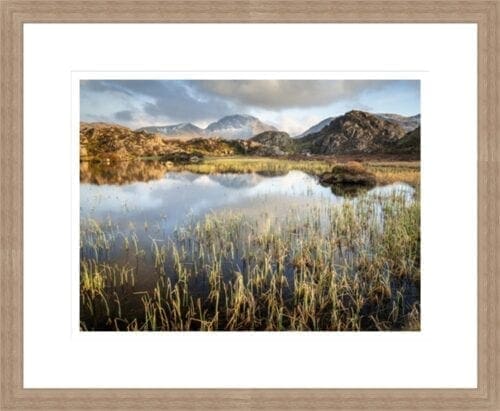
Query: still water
x,y
127,217
178,197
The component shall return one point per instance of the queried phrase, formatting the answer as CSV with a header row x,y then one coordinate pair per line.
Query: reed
x,y
338,267
265,165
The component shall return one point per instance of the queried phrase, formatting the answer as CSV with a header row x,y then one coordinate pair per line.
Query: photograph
x,y
249,205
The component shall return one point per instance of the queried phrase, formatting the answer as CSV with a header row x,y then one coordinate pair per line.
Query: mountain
x,y
407,123
237,126
410,143
175,130
317,127
356,132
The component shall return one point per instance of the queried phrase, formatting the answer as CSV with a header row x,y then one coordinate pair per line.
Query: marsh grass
x,y
130,171
392,172
264,165
339,267
385,172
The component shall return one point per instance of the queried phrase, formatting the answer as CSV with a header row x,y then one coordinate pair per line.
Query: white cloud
x,y
290,105
281,94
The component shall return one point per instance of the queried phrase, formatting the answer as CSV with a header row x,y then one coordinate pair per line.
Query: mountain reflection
x,y
127,172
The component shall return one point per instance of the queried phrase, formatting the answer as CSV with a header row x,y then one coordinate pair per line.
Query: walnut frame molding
x,y
15,13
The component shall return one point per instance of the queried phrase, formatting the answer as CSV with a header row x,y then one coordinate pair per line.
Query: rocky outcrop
x,y
349,174
111,143
356,132
274,143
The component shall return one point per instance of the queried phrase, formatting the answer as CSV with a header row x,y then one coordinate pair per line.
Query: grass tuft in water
x,y
339,267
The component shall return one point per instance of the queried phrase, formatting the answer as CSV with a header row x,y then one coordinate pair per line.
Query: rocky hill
x,y
356,132
277,141
407,123
409,144
111,142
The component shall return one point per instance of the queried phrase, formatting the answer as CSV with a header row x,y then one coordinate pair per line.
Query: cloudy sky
x,y
290,105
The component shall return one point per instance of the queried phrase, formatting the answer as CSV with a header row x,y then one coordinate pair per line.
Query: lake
x,y
181,227
177,197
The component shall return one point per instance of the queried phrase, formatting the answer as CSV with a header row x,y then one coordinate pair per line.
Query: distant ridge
x,y
407,123
355,133
317,127
175,130
237,126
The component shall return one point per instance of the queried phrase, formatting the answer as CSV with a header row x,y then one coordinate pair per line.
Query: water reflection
x,y
178,196
120,173
144,219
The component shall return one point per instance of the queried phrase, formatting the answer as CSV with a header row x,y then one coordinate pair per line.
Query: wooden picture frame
x,y
486,14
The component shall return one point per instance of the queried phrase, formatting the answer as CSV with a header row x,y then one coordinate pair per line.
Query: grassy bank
x,y
395,171
385,172
152,169
265,165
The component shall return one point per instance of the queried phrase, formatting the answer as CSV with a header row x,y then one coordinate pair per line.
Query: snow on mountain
x,y
175,130
241,126
237,126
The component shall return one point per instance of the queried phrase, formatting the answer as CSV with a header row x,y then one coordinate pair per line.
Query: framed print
x,y
254,204
249,205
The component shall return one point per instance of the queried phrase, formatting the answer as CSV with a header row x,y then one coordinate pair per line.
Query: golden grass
x,y
125,172
385,172
244,164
